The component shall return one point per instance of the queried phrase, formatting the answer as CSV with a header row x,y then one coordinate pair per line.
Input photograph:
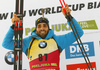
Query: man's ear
x,y
36,31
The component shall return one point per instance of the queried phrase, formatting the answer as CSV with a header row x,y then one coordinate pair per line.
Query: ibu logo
x,y
74,50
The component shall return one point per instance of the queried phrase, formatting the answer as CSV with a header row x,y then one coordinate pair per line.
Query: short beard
x,y
42,36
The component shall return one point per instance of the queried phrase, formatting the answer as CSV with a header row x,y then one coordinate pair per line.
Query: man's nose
x,y
42,28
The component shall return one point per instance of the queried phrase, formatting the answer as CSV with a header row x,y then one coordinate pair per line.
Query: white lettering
x,y
72,49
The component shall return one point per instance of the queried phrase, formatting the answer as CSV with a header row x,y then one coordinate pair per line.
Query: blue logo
x,y
42,44
9,57
74,51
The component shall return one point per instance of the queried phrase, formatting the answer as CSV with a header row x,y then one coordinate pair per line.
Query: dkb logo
x,y
74,50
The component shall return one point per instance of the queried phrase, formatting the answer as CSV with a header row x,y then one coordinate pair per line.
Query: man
x,y
43,47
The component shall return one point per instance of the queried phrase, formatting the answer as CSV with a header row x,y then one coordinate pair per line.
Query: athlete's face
x,y
42,30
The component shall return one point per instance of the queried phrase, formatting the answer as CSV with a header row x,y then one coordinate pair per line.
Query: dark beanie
x,y
40,20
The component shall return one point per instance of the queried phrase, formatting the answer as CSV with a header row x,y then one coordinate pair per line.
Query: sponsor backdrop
x,y
86,12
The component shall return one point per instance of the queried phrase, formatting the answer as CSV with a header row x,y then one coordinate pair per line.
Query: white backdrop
x,y
88,16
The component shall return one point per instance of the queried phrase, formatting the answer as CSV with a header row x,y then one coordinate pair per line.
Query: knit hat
x,y
40,20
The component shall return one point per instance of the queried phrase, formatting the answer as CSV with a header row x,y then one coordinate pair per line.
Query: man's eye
x,y
44,25
39,26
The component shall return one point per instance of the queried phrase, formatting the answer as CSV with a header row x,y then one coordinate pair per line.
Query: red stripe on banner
x,y
82,66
